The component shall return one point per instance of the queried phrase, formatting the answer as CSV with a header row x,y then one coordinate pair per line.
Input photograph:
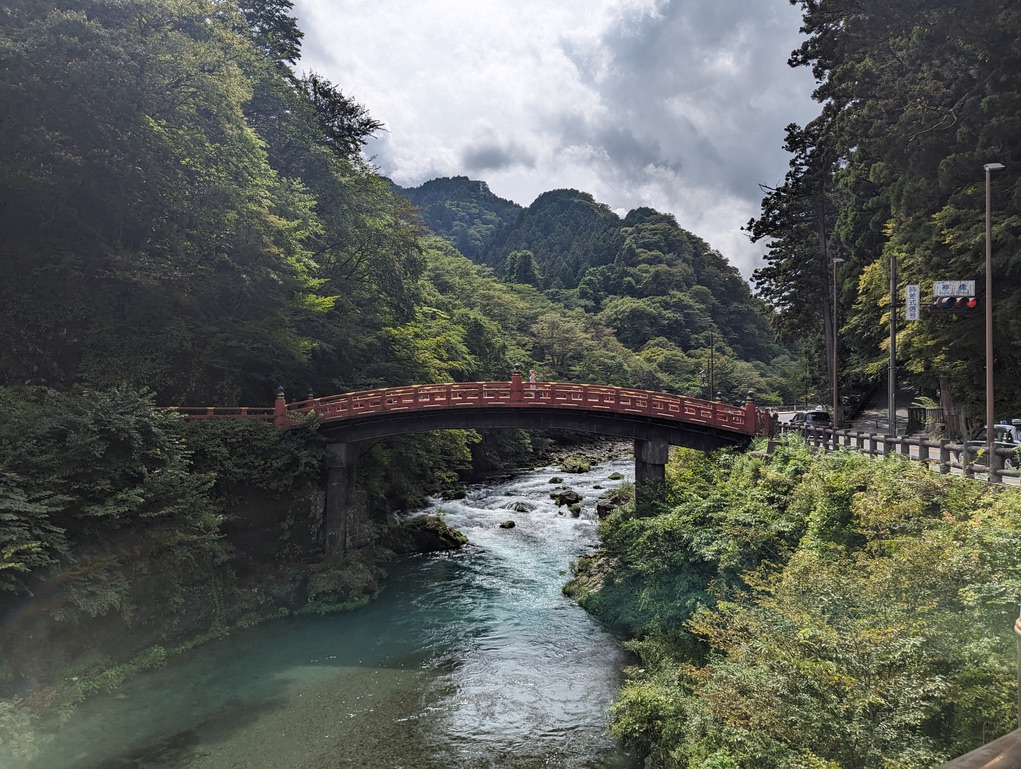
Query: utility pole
x,y
834,382
990,400
891,390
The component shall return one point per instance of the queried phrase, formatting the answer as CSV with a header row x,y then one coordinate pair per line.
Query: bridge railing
x,y
517,394
218,412
744,419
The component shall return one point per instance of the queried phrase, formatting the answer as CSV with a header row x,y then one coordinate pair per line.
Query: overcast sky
x,y
675,104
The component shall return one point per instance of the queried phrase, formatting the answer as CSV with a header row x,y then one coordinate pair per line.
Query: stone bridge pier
x,y
650,463
345,519
341,464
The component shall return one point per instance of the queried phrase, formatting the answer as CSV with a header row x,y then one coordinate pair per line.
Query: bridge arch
x,y
654,421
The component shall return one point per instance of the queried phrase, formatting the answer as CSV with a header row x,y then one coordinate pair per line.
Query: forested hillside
x,y
184,213
662,292
463,211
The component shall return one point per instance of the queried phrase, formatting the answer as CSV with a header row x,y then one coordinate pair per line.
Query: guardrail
x,y
942,456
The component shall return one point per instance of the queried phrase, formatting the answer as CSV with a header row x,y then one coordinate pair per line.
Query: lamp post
x,y
990,416
833,381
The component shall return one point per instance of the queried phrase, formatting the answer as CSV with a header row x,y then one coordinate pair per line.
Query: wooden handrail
x,y
744,419
557,395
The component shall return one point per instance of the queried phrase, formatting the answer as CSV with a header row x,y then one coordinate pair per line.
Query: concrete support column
x,y
650,463
341,462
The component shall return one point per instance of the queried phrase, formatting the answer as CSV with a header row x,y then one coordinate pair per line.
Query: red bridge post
x,y
280,410
751,414
517,392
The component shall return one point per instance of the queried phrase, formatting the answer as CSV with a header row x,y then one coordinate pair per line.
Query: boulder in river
x,y
610,502
452,493
565,497
576,465
507,525
425,534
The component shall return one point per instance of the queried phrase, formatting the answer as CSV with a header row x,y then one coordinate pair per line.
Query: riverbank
x,y
52,667
473,658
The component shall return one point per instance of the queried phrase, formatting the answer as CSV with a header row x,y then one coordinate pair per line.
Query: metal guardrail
x,y
942,456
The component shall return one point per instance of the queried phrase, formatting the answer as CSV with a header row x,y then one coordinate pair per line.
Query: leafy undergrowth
x,y
812,611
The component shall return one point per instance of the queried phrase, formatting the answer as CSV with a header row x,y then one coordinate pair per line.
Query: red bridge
x,y
653,420
391,404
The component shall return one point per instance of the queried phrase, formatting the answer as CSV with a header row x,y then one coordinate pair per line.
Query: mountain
x,y
642,275
463,212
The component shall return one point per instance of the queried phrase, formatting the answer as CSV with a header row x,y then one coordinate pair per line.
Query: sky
x,y
679,105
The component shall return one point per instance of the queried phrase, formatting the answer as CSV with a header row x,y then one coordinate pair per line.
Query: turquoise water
x,y
468,659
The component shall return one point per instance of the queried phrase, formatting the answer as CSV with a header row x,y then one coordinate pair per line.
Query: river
x,y
468,659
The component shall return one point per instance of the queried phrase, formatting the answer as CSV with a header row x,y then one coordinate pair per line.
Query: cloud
x,y
489,150
675,104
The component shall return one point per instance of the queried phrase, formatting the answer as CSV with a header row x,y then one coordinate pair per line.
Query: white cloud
x,y
675,104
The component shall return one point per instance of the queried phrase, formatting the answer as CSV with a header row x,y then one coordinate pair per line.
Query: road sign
x,y
953,288
912,295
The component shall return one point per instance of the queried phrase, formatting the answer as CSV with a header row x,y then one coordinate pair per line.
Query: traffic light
x,y
954,304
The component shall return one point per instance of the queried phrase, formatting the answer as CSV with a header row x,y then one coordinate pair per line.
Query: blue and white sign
x,y
953,288
912,294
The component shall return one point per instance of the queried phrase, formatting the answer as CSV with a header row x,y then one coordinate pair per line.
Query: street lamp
x,y
833,382
990,417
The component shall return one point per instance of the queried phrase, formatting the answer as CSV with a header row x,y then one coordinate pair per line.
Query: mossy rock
x,y
615,477
610,501
566,497
556,479
507,525
456,492
575,509
576,465
425,534
341,586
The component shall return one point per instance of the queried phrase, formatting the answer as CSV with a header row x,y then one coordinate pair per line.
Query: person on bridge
x,y
531,379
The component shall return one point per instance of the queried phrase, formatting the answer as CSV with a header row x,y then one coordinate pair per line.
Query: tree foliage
x,y
816,611
915,100
78,471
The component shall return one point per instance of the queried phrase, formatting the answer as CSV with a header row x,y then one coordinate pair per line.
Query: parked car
x,y
818,417
1008,436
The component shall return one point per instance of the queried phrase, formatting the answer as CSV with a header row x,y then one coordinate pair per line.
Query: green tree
x,y
520,267
915,100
